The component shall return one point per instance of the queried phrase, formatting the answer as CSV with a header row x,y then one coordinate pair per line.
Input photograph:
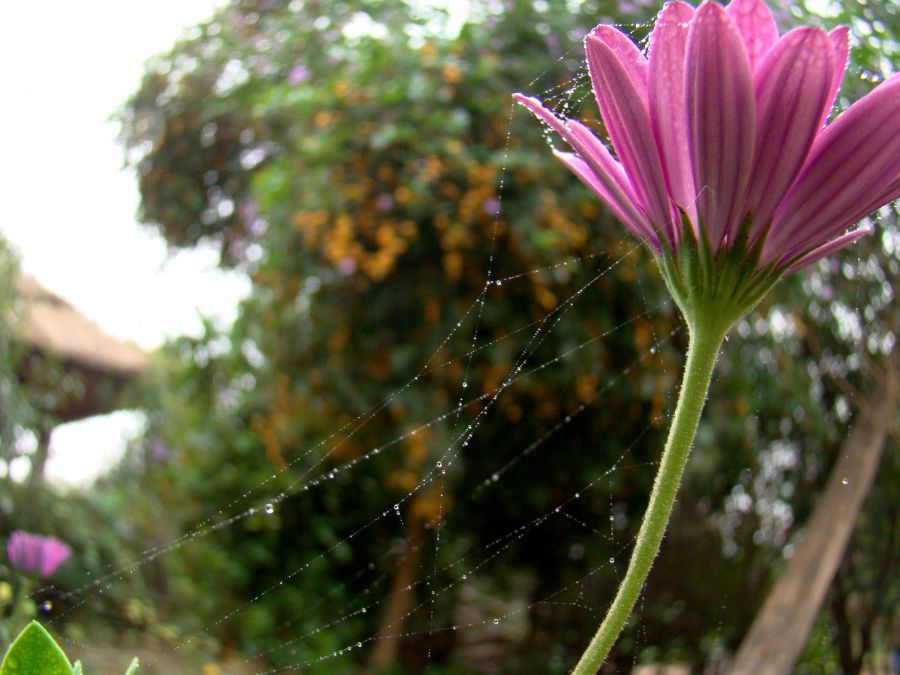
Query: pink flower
x,y
36,554
346,266
491,206
384,202
719,137
298,74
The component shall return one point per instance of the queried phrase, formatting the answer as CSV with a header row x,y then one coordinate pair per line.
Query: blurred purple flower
x,y
553,47
297,75
384,202
248,210
249,213
158,453
36,554
491,206
347,266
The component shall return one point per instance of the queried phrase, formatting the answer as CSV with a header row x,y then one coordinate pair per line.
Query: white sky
x,y
67,206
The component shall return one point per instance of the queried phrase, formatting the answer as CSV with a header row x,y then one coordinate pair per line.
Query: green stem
x,y
705,342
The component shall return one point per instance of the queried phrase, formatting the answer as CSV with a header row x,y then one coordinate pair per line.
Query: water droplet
x,y
270,509
465,384
612,561
845,481
499,282
440,464
496,622
46,606
495,477
397,508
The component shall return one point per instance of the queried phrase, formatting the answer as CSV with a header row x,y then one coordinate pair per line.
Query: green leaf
x,y
34,652
133,667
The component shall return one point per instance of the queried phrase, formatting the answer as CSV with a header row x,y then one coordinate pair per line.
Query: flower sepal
x,y
714,286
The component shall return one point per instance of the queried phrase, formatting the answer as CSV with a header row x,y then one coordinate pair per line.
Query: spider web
x,y
446,573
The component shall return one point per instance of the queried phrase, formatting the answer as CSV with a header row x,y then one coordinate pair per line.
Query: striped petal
x,y
827,249
793,85
629,55
668,109
853,166
756,25
594,152
865,207
623,105
581,169
721,119
607,172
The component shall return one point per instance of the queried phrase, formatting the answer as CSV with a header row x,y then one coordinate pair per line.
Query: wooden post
x,y
39,459
782,626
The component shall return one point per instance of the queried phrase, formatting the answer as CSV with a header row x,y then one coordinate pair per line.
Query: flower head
x,y
721,162
298,74
36,554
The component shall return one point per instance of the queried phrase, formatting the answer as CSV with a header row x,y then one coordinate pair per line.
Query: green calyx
x,y
714,288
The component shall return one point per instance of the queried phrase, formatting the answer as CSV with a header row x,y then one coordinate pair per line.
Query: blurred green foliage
x,y
13,410
349,156
362,162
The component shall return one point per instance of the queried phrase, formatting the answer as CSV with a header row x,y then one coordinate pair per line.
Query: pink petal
x,y
53,554
792,84
606,170
668,109
827,249
623,104
603,163
756,25
875,202
721,119
851,169
840,41
886,196
581,169
629,55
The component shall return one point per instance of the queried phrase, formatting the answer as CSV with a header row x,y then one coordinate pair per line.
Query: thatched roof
x,y
52,325
49,327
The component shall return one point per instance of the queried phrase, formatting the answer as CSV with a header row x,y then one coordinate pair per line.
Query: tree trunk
x,y
782,626
39,459
400,600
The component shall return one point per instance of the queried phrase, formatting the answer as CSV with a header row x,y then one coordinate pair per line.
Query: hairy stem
x,y
705,342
